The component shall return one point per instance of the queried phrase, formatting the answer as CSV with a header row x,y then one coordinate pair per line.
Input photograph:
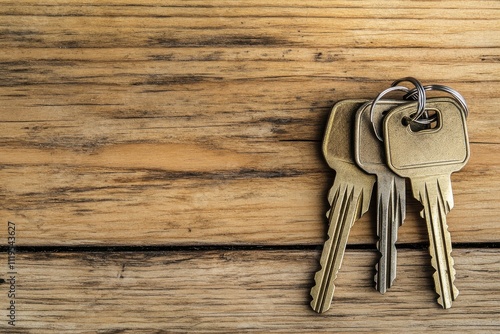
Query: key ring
x,y
420,93
456,95
421,98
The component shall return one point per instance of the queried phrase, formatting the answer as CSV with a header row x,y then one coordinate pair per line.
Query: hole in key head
x,y
432,114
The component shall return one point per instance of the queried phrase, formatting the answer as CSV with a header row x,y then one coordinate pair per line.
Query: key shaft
x,y
346,201
391,210
349,198
391,196
437,198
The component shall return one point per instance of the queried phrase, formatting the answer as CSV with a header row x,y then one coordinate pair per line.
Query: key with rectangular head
x,y
369,154
349,198
428,157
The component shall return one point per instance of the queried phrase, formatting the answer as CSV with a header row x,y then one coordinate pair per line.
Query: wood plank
x,y
182,32
195,123
234,291
360,9
333,26
275,195
167,108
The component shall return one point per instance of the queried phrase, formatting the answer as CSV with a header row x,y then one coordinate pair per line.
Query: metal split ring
x,y
419,94
412,94
379,96
421,97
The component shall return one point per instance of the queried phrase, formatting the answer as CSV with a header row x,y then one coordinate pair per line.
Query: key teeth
x,y
341,197
454,293
377,268
315,305
439,290
379,288
388,283
390,216
446,289
325,306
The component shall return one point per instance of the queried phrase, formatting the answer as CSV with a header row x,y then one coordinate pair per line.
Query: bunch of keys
x,y
384,142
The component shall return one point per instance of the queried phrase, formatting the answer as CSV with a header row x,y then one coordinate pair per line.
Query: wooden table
x,y
161,162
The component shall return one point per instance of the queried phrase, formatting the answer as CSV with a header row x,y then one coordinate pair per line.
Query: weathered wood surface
x,y
199,123
255,291
257,203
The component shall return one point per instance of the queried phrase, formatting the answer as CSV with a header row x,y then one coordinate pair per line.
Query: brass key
x,y
428,157
391,197
349,198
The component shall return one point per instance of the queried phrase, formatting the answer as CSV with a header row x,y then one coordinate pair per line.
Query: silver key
x,y
391,197
428,157
349,198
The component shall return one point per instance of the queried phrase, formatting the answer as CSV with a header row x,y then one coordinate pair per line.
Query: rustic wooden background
x,y
161,161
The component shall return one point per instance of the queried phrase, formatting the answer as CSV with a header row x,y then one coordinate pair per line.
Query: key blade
x,y
437,198
391,204
346,206
391,196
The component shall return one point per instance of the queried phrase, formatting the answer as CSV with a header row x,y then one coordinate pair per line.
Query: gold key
x,y
428,157
349,198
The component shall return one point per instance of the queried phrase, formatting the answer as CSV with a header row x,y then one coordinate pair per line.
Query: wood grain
x,y
194,128
252,291
195,123
275,201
